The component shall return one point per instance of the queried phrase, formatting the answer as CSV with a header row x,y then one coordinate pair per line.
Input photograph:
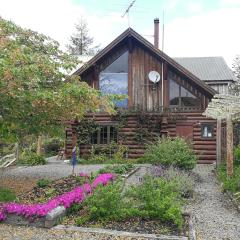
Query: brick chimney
x,y
156,32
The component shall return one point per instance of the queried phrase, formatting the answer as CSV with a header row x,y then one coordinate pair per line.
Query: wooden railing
x,y
10,158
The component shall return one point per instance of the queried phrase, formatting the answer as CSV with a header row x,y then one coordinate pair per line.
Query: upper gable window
x,y
181,97
114,79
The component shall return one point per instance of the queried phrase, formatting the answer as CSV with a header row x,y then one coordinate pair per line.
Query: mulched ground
x,y
19,185
53,189
140,226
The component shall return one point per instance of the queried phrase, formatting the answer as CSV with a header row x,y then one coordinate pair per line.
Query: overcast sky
x,y
192,28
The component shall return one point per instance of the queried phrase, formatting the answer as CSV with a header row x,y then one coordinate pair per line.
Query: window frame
x,y
99,137
102,72
209,126
180,105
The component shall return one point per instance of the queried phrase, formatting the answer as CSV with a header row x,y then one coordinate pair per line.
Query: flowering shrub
x,y
82,174
102,179
77,195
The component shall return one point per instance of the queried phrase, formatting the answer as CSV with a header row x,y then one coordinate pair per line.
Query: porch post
x,y
219,142
229,146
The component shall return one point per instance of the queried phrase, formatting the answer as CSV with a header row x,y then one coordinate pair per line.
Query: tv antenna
x,y
127,12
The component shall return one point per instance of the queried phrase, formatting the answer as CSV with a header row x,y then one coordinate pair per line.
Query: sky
x,y
191,28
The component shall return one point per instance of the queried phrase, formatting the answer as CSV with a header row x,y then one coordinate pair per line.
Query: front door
x,y
185,130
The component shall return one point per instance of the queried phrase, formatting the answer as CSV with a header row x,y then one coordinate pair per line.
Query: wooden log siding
x,y
204,148
143,93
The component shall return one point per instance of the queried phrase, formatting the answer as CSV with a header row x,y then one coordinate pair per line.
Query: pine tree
x,y
80,42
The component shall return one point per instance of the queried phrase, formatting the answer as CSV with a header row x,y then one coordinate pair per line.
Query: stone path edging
x,y
118,233
191,225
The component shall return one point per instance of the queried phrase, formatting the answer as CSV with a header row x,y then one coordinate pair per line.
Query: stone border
x,y
191,225
51,219
125,177
118,233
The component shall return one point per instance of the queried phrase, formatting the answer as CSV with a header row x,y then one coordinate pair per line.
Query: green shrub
x,y
118,169
44,182
183,182
157,198
31,158
52,146
231,184
106,204
237,154
7,195
74,208
167,151
97,158
120,153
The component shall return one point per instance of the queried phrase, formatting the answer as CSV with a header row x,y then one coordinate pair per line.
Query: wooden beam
x,y
229,146
219,142
130,79
165,86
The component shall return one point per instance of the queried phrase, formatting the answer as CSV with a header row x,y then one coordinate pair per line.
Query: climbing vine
x,y
85,129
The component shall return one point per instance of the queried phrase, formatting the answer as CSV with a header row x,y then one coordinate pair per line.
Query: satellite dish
x,y
154,76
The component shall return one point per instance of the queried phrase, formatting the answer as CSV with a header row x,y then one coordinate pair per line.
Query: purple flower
x,y
81,174
103,179
77,195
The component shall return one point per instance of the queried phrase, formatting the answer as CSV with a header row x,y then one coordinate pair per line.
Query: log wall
x,y
205,149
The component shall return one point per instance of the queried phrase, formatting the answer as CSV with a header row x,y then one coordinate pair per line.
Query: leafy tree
x,y
37,93
235,88
80,42
236,66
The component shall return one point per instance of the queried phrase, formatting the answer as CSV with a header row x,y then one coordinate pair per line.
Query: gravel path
x,y
216,217
53,171
137,177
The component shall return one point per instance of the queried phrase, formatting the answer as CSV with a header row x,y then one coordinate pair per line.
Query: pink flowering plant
x,y
77,195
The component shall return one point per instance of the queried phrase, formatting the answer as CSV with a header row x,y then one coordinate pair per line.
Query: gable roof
x,y
208,68
131,33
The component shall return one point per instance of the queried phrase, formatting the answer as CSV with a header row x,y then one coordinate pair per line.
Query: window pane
x,y
188,99
207,130
94,137
113,134
114,79
174,93
120,65
103,135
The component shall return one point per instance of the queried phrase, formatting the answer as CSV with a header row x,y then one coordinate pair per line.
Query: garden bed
x,y
117,206
111,209
136,225
230,186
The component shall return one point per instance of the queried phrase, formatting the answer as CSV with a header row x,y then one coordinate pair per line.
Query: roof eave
x,y
162,55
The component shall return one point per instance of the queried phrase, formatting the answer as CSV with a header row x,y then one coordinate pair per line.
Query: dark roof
x,y
208,68
131,33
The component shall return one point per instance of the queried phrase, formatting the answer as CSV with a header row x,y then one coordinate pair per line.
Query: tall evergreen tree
x,y
80,42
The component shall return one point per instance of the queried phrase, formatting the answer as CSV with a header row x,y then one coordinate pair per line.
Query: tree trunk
x,y
39,145
229,146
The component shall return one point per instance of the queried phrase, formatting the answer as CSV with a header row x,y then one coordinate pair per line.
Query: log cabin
x,y
169,96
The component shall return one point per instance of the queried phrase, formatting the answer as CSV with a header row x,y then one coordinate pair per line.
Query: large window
x,y
181,97
114,79
105,135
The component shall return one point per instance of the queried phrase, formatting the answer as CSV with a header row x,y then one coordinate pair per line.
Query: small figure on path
x,y
74,159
